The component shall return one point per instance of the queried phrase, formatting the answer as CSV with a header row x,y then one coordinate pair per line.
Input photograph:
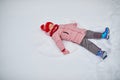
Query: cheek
x,y
51,26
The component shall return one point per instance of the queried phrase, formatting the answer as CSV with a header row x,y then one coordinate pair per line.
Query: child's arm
x,y
73,26
59,44
70,25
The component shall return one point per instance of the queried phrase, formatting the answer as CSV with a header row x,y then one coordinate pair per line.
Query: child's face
x,y
51,26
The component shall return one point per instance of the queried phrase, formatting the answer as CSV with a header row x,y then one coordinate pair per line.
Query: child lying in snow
x,y
71,32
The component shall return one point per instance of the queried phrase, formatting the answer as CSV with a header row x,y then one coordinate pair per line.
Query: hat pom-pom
x,y
42,27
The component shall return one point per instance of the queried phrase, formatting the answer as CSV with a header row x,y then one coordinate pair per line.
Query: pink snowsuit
x,y
69,32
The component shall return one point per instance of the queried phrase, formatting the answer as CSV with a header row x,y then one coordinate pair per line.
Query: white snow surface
x,y
26,53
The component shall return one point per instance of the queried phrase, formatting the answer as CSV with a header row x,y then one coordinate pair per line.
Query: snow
x,y
26,53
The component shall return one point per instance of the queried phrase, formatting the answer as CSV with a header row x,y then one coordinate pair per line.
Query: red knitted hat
x,y
46,26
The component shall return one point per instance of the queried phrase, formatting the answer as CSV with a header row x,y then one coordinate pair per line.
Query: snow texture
x,y
26,53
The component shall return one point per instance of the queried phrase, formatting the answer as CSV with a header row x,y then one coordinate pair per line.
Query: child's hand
x,y
66,52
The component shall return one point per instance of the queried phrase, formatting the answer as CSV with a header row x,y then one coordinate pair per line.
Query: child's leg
x,y
93,35
93,48
98,35
90,46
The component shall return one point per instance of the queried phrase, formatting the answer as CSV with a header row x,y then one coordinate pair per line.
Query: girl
x,y
71,32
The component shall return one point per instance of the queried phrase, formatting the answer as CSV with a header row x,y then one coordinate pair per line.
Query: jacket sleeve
x,y
73,26
58,42
70,25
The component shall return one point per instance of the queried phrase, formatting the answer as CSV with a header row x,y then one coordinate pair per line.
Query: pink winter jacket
x,y
69,32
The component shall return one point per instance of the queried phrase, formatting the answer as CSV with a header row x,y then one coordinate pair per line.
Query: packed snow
x,y
27,53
